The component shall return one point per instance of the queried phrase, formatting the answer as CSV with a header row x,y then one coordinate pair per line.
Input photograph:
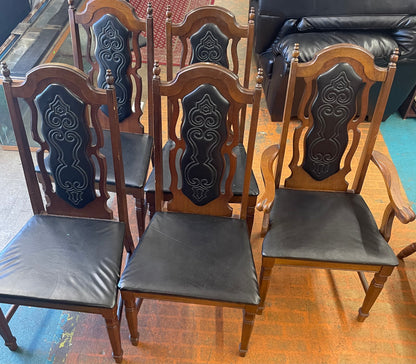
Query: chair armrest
x,y
399,203
266,165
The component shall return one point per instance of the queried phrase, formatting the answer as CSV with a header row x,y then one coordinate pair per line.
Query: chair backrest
x,y
333,104
63,105
211,34
206,100
114,28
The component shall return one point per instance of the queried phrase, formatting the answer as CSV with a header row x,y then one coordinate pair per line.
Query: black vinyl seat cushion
x,y
325,226
194,256
136,150
73,261
238,181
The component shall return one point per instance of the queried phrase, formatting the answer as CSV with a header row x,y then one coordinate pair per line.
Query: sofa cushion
x,y
380,44
402,28
355,22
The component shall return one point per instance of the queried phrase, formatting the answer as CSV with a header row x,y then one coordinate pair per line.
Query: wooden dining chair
x,y
196,251
211,34
316,216
68,255
113,35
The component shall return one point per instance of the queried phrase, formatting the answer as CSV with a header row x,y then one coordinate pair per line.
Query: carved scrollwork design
x,y
112,51
204,132
334,106
67,136
209,44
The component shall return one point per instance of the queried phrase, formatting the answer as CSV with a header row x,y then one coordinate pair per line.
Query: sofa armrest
x,y
266,165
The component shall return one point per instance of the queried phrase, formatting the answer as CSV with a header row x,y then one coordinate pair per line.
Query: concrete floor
x,y
15,204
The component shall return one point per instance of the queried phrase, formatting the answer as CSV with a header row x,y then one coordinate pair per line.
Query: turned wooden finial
x,y
168,13
260,77
251,15
5,71
109,79
394,56
149,10
295,54
156,70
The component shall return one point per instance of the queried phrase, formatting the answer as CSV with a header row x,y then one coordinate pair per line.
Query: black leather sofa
x,y
377,25
12,12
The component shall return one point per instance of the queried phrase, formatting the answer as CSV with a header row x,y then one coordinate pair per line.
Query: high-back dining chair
x,y
316,216
113,29
68,255
212,34
196,252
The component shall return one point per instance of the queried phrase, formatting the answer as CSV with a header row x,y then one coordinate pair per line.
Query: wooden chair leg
x,y
131,316
410,249
265,276
140,212
6,334
373,291
113,330
248,324
251,209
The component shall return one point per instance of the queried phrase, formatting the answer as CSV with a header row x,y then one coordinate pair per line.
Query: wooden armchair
x,y
211,34
317,217
68,255
113,27
196,252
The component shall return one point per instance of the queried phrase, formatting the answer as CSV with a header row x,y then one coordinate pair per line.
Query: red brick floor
x,y
310,314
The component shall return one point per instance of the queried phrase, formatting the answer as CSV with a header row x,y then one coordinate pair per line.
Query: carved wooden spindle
x,y
373,292
109,79
248,324
168,14
410,249
5,71
251,15
149,11
394,56
265,277
259,77
295,54
113,329
156,70
131,315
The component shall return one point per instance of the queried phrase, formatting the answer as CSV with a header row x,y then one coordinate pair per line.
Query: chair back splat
x,y
210,105
114,39
73,225
314,214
